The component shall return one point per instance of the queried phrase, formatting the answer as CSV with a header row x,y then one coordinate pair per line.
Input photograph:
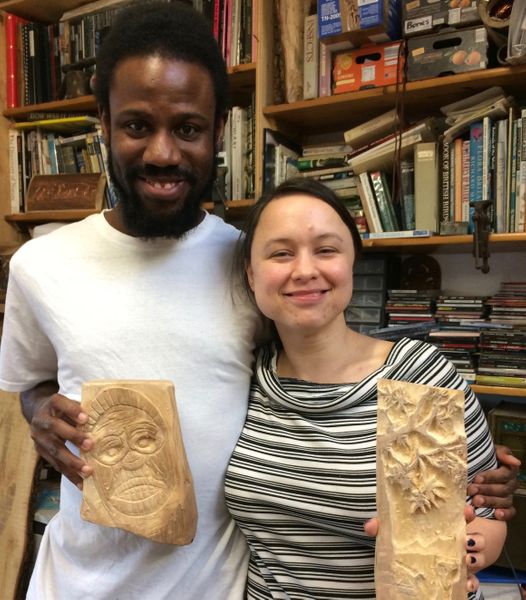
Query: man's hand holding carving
x,y
494,489
53,420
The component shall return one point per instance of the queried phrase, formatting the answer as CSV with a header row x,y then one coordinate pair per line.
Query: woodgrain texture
x,y
421,492
142,481
18,461
291,24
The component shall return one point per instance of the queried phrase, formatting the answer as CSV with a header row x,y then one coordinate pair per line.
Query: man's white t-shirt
x,y
88,302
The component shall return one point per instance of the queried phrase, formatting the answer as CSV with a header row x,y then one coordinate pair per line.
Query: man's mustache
x,y
152,171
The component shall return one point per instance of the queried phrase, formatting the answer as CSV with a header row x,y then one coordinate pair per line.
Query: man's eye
x,y
136,127
327,250
187,130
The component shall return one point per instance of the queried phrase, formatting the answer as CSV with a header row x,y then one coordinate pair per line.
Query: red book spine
x,y
11,61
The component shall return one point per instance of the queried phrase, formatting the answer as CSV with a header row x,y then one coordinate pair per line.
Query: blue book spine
x,y
476,153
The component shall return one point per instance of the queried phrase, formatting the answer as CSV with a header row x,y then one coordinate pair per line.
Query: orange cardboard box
x,y
368,67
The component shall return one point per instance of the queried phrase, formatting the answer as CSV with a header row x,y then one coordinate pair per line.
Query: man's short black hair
x,y
170,30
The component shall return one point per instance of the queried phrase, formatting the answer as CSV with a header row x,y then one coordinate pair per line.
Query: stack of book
x,y
328,163
408,307
460,310
502,360
377,145
483,157
460,347
509,304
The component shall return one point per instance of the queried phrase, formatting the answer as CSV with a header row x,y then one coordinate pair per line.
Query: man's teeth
x,y
162,186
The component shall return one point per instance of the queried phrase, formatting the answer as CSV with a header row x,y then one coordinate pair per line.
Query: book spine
x,y
14,180
457,209
320,163
500,174
475,168
512,177
445,180
407,169
385,207
324,82
464,216
369,203
310,57
12,99
426,185
486,158
520,225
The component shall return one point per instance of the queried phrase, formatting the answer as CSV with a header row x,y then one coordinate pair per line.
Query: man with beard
x,y
140,292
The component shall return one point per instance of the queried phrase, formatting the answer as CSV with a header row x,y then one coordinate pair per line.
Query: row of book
x,y
484,337
236,160
51,147
36,54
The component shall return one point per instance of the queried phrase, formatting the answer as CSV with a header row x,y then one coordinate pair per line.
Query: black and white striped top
x,y
302,480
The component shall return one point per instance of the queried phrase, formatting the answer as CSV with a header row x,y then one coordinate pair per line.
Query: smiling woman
x,y
301,482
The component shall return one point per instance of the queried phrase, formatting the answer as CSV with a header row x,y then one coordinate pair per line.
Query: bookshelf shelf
x,y
499,242
498,391
342,111
242,80
35,218
81,104
46,11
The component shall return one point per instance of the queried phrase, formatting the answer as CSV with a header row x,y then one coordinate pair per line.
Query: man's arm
x,y
494,489
53,421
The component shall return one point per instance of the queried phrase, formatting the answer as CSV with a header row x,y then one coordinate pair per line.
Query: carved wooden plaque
x,y
141,481
421,492
18,461
74,191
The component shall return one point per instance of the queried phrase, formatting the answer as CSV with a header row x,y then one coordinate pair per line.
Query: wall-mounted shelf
x,y
491,390
342,111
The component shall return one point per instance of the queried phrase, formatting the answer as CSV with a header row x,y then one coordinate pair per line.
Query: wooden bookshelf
x,y
343,111
494,390
499,242
44,11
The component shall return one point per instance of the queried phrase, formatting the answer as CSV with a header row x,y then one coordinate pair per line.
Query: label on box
x,y
417,25
368,73
371,13
454,16
329,21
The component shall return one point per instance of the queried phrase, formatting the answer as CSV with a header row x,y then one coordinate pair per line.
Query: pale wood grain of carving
x,y
421,492
142,481
18,461
291,19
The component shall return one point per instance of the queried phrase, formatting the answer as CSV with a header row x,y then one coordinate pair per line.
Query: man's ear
x,y
105,125
220,131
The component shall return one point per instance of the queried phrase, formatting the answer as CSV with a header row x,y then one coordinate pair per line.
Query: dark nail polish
x,y
473,560
471,542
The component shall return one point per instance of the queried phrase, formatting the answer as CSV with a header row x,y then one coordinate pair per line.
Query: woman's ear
x,y
250,275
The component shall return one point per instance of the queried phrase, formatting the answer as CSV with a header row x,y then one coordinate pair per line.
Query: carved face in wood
x,y
129,433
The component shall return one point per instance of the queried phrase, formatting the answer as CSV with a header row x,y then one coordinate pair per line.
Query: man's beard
x,y
140,221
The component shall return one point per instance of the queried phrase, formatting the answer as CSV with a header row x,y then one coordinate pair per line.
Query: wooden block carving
x,y
142,481
75,191
421,492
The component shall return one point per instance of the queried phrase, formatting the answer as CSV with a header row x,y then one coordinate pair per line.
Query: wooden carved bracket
x,y
482,229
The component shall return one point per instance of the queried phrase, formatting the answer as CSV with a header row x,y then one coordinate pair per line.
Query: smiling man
x,y
140,292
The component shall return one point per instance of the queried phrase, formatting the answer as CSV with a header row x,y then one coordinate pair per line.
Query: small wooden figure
x,y
421,492
141,480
